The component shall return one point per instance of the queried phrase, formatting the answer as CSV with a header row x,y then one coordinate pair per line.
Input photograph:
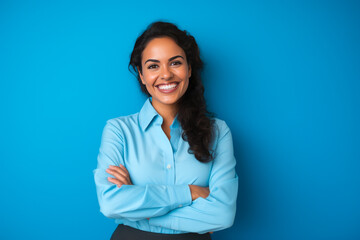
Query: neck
x,y
167,112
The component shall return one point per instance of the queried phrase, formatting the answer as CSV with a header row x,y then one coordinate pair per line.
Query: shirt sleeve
x,y
217,211
132,202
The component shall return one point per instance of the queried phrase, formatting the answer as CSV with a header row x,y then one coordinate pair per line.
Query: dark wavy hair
x,y
195,120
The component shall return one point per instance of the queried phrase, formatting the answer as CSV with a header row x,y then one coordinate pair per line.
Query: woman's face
x,y
165,71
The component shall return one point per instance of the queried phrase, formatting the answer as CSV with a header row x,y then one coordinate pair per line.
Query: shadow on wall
x,y
246,194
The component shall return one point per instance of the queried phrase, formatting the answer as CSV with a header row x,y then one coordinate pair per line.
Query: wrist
x,y
193,192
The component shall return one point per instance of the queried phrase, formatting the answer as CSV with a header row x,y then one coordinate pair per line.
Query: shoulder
x,y
223,142
120,124
220,127
124,120
221,133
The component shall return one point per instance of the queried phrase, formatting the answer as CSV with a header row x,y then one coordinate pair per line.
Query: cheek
x,y
186,85
148,79
181,73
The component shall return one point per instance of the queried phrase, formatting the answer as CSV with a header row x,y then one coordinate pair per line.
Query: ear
x,y
189,71
141,76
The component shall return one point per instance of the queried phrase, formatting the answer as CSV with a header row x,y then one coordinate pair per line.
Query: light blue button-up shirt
x,y
161,170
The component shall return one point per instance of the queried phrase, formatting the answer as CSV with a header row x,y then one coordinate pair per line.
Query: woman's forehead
x,y
162,49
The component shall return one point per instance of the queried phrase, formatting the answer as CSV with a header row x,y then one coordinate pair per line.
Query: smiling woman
x,y
167,172
165,74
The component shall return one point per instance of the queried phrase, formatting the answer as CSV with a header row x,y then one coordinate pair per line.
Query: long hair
x,y
193,116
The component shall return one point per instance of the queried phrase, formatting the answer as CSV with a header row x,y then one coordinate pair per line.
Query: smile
x,y
167,88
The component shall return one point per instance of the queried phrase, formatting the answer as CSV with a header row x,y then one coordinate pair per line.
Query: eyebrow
x,y
170,59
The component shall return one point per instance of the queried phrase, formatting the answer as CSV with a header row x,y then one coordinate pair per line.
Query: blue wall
x,y
285,75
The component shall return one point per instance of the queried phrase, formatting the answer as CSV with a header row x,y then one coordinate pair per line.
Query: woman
x,y
167,172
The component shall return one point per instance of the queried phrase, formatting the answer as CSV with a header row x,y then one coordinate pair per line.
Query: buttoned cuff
x,y
180,195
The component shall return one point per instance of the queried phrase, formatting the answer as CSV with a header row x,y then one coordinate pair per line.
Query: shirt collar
x,y
148,113
176,123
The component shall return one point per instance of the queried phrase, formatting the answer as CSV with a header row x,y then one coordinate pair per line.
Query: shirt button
x,y
168,166
180,205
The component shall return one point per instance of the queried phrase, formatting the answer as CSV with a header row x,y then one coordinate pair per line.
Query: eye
x,y
176,63
152,66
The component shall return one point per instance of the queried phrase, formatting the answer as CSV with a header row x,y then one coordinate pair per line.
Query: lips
x,y
168,87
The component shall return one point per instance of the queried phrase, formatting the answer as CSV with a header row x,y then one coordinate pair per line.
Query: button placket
x,y
168,157
170,165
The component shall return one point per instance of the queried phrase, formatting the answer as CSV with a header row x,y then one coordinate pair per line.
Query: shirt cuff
x,y
180,195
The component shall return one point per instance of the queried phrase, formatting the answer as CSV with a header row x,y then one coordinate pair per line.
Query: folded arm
x,y
217,211
131,201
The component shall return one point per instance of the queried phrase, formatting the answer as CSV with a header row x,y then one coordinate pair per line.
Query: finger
x,y
124,170
119,170
118,176
115,181
122,167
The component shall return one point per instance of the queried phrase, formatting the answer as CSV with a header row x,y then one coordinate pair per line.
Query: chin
x,y
170,102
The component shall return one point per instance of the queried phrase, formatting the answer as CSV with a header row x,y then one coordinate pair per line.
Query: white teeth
x,y
169,86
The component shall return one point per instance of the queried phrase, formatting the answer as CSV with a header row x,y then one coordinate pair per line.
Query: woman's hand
x,y
197,191
121,175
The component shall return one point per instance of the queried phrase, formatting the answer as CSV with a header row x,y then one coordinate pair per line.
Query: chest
x,y
153,159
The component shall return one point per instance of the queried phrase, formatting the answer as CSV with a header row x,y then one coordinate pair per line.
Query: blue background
x,y
284,75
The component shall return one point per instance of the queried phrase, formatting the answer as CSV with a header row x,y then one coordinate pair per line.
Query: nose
x,y
166,73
